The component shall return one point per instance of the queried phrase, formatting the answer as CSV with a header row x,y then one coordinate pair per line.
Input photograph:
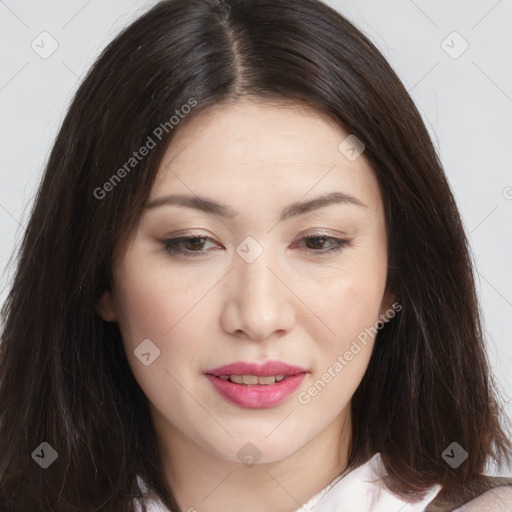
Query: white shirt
x,y
362,490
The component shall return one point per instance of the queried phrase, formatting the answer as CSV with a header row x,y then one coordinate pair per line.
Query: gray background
x,y
466,102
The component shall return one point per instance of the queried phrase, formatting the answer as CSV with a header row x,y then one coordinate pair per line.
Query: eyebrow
x,y
212,207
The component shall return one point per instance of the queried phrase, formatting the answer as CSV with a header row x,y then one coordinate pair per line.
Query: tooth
x,y
252,380
266,380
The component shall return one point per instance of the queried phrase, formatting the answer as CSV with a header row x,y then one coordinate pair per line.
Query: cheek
x,y
164,307
150,308
351,310
151,302
352,317
350,305
349,300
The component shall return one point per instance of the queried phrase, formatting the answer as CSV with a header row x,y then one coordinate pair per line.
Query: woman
x,y
245,285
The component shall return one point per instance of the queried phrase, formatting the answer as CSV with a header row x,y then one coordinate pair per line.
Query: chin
x,y
249,450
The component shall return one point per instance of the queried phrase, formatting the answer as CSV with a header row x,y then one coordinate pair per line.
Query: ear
x,y
389,307
105,307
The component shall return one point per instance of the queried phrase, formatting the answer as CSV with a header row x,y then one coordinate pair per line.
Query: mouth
x,y
251,380
242,372
253,385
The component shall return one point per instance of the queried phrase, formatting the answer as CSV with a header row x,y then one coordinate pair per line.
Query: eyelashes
x,y
193,246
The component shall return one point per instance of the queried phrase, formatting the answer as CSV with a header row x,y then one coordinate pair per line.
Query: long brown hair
x,y
64,376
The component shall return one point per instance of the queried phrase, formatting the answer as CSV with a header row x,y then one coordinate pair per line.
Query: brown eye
x,y
186,245
317,243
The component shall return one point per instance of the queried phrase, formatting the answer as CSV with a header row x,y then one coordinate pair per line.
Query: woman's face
x,y
249,286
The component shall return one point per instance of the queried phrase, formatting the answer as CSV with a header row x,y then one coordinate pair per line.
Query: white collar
x,y
360,489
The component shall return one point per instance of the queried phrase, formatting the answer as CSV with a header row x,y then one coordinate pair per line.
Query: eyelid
x,y
172,245
312,232
321,232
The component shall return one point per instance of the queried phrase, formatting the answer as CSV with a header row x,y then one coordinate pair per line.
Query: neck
x,y
201,480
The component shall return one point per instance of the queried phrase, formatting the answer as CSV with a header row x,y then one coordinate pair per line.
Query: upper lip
x,y
267,368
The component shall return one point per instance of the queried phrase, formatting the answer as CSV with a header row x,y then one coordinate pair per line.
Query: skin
x,y
291,304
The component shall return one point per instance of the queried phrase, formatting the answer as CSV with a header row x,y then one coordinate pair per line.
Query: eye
x,y
316,243
186,245
194,245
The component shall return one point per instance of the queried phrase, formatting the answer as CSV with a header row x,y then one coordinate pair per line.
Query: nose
x,y
258,303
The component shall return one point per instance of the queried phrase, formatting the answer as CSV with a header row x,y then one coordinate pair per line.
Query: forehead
x,y
254,150
258,131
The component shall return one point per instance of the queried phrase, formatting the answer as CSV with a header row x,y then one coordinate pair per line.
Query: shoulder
x,y
498,499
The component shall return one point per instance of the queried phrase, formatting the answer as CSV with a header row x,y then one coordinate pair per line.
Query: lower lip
x,y
256,396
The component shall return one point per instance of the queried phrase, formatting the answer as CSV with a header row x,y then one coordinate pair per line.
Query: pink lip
x,y
261,370
257,396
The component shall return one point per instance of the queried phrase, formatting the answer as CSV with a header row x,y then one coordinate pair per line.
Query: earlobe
x,y
105,307
389,307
